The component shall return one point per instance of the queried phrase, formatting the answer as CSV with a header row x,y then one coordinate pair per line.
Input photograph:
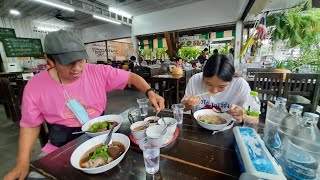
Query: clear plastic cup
x,y
134,115
143,106
178,112
151,155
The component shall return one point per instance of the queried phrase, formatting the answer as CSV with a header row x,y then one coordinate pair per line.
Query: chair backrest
x,y
253,71
269,86
303,89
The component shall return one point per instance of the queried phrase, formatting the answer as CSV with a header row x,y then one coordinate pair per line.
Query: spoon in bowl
x,y
164,130
108,139
218,111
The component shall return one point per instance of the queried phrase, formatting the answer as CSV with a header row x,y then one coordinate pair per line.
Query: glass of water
x,y
151,155
143,106
178,112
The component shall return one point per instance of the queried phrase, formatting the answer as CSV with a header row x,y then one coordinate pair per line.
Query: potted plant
x,y
281,68
298,27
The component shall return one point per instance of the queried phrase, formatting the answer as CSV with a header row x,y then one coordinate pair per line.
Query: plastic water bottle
x,y
273,120
252,109
285,129
303,151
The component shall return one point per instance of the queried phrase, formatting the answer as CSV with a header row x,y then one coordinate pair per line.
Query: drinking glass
x,y
151,155
143,106
178,112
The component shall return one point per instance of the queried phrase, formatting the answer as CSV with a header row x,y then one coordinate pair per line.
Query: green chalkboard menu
x,y
7,33
22,47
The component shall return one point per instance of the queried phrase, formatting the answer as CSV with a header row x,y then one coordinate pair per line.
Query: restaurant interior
x,y
272,44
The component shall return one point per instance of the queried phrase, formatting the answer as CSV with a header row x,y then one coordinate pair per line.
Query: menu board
x,y
22,47
7,33
119,51
97,52
189,41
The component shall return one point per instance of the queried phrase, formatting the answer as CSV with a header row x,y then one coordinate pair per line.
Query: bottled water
x,y
273,120
303,151
252,109
285,129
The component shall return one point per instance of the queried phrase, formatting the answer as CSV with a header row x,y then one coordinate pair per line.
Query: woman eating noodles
x,y
225,92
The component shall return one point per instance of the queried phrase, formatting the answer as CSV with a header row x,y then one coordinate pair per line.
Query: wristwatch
x,y
150,89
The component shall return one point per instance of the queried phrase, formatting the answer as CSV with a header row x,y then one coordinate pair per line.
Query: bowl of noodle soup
x,y
211,120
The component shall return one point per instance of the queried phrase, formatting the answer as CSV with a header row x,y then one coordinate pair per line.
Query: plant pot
x,y
177,71
284,71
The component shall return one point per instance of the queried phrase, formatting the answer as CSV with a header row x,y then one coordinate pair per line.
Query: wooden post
x,y
172,43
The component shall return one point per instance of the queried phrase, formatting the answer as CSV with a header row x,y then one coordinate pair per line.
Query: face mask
x,y
77,109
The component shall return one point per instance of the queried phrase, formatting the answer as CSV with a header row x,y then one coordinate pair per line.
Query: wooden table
x,y
195,154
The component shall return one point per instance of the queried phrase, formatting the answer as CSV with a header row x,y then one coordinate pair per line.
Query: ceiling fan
x,y
64,18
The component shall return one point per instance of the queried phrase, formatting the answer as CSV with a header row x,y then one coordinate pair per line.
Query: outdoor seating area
x,y
137,89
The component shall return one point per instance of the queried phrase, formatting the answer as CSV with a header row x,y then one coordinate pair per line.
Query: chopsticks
x,y
202,94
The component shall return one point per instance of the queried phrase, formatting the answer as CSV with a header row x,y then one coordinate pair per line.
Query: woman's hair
x,y
177,59
219,65
133,58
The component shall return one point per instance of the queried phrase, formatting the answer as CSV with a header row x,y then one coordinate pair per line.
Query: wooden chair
x,y
269,86
12,103
303,89
9,100
164,88
253,71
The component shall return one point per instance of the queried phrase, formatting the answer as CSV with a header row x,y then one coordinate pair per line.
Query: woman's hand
x,y
190,102
156,101
20,171
236,112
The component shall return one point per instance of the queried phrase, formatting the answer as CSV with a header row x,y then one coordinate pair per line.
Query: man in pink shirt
x,y
46,95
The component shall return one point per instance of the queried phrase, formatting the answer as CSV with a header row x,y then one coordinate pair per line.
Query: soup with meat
x,y
140,128
153,120
212,119
101,155
102,126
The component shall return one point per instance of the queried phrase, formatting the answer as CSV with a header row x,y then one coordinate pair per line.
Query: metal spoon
x,y
164,130
228,126
108,139
164,122
217,111
80,132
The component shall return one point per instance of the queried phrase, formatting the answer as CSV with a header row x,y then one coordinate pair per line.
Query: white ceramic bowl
x,y
111,117
226,116
153,118
138,135
154,133
172,128
84,147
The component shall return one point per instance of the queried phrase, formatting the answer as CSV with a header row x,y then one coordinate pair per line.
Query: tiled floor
x,y
118,101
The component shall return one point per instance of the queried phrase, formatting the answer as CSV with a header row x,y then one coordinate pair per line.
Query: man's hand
x,y
156,101
20,171
236,112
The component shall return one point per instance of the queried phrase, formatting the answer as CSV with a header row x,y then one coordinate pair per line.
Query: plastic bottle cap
x,y
281,99
296,106
312,115
254,93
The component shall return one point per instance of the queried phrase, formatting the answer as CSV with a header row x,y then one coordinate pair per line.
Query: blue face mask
x,y
78,110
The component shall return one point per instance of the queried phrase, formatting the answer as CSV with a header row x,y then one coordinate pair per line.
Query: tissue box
x,y
253,155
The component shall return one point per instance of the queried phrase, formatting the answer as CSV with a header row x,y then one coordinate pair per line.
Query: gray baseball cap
x,y
65,47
